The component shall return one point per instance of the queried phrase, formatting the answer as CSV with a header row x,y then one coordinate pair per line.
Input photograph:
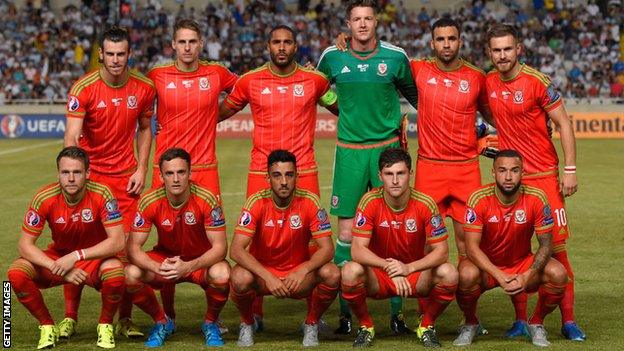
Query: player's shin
x,y
322,297
439,297
72,294
113,286
567,303
144,298
467,299
356,297
520,305
216,297
21,278
243,302
549,297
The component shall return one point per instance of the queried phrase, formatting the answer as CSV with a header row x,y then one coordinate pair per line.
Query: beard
x,y
508,192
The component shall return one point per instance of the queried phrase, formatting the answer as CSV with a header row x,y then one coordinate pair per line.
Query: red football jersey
x,y
110,118
284,112
447,107
280,236
73,226
181,230
507,229
519,106
399,234
188,105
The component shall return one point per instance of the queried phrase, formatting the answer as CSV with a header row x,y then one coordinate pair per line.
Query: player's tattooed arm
x,y
543,252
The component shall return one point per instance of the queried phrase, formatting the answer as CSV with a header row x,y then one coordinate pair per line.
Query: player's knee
x,y
330,274
351,271
555,272
468,274
240,279
110,263
219,272
133,274
447,274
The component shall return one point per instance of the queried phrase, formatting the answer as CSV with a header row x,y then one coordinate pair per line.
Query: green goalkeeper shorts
x,y
355,172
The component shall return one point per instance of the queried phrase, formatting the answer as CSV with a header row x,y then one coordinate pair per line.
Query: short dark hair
x,y
116,34
508,153
394,155
173,153
285,27
445,22
281,156
360,3
187,23
75,153
501,30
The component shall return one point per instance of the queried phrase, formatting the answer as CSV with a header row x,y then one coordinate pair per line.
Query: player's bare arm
x,y
544,251
437,255
486,113
73,130
479,258
361,254
341,41
136,183
177,268
137,256
323,255
28,250
226,111
239,253
569,183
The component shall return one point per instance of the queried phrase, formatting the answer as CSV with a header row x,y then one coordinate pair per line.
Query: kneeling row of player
x,y
399,248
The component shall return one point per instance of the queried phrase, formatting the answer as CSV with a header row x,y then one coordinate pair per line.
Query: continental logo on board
x,y
599,125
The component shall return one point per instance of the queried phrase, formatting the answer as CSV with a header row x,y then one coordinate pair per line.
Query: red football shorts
x,y
196,277
518,268
205,177
387,289
306,179
550,185
127,202
45,279
450,184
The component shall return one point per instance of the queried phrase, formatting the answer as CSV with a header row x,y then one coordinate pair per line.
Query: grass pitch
x,y
594,213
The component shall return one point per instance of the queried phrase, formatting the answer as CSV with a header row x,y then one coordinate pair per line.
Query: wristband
x,y
569,168
80,254
569,172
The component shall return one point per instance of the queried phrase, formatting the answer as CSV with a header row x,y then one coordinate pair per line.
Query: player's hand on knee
x,y
64,264
341,41
76,276
277,287
294,280
403,287
396,268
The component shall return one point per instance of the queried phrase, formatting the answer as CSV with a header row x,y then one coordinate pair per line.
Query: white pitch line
x,y
240,193
29,147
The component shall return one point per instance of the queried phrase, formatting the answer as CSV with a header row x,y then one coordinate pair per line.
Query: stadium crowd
x,y
41,52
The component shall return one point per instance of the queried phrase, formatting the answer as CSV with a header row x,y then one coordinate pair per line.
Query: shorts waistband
x,y
367,146
541,174
458,162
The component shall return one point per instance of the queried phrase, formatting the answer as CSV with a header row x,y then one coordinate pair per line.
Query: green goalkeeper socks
x,y
396,305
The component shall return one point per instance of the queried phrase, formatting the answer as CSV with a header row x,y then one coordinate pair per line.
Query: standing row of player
x,y
104,107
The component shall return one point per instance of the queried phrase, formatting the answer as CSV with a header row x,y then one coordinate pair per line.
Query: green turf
x,y
595,215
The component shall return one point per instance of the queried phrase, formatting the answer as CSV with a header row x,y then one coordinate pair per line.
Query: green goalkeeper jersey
x,y
367,84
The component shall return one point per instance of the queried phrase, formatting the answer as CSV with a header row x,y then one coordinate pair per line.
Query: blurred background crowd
x,y
43,50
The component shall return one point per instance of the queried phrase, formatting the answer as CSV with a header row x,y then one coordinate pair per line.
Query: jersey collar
x,y
365,55
268,64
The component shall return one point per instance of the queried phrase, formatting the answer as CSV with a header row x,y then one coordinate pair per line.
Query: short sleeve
x,y
319,221
34,220
109,211
76,103
546,95
148,104
363,220
248,220
239,97
473,219
435,229
214,219
228,79
544,221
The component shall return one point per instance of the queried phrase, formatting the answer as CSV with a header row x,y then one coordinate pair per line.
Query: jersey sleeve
x,y
325,67
34,219
435,230
319,221
143,220
473,220
76,103
109,209
546,95
147,110
214,219
482,99
239,96
228,79
363,220
405,82
248,220
544,221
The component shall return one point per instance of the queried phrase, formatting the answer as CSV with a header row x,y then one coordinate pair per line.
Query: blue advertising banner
x,y
32,126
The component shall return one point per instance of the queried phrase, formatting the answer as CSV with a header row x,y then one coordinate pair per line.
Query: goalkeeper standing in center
x,y
367,77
